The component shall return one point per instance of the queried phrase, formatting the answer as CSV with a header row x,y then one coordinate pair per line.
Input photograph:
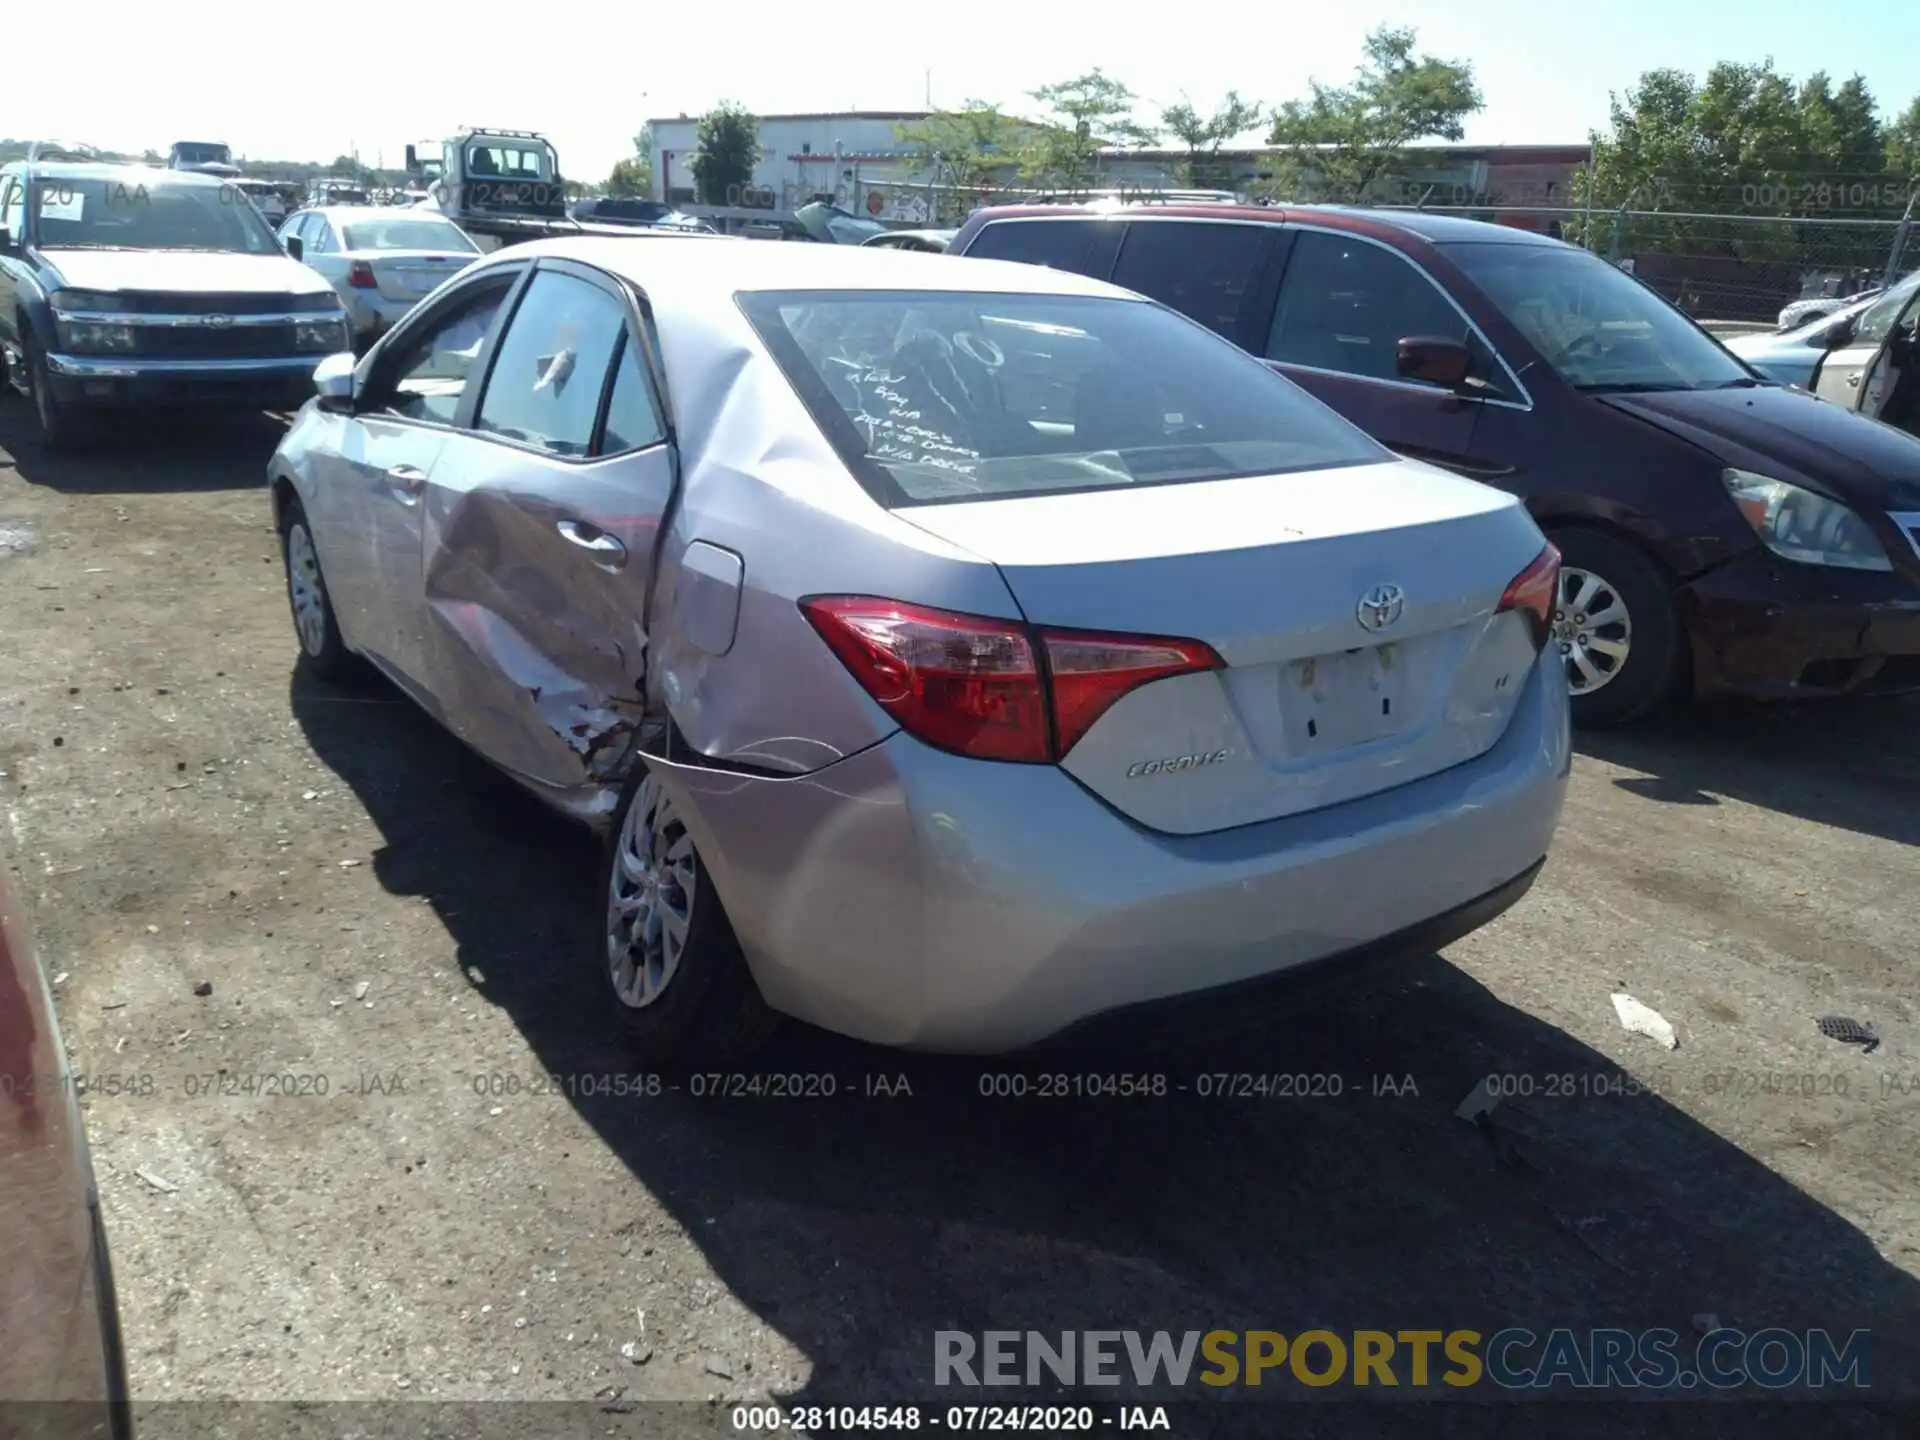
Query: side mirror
x,y
413,161
6,241
333,381
295,248
1842,334
1434,360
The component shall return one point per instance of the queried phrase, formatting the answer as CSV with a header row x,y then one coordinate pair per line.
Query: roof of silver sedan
x,y
721,270
361,214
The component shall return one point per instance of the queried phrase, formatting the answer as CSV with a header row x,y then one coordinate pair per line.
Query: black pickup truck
x,y
133,286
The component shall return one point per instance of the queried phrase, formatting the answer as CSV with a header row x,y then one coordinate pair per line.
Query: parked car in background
x,y
1791,357
337,192
63,1372
929,240
631,210
1722,535
380,262
1872,361
130,286
954,653
268,197
1799,313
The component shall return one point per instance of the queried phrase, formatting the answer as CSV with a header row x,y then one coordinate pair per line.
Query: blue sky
x,y
300,83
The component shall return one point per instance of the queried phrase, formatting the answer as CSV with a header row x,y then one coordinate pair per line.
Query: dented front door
x,y
539,537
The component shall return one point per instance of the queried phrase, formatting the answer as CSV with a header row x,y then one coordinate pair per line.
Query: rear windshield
x,y
933,396
407,234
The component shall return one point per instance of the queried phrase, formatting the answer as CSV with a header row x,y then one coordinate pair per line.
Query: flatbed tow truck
x,y
503,187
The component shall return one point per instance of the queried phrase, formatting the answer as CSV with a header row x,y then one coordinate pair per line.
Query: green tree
x,y
727,150
1342,140
631,176
969,150
1087,114
1203,135
1903,147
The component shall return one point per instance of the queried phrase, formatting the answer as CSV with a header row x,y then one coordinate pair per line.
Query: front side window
x,y
1597,327
96,213
407,234
429,375
1201,268
546,382
1346,303
12,209
940,396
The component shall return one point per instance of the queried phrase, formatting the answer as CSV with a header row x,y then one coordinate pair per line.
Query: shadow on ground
x,y
177,450
859,1226
1847,763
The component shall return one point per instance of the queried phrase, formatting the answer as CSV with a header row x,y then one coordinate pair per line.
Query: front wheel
x,y
1615,628
667,957
58,423
322,649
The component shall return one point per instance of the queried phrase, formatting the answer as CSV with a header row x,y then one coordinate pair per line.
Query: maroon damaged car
x,y
1722,535
62,1369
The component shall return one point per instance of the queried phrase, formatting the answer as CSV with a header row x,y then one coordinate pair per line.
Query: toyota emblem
x,y
1380,607
219,322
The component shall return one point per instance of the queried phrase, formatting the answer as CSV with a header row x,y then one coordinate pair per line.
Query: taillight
x,y
1536,590
991,689
360,276
1090,672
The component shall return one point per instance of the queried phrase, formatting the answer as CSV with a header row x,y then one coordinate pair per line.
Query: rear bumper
x,y
1764,628
371,316
111,381
914,898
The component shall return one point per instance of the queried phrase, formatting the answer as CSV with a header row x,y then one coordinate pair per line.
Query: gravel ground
x,y
238,873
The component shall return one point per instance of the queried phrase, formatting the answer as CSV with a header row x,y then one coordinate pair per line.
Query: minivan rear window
x,y
934,396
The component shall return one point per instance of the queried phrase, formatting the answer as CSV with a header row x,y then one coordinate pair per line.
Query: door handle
x,y
409,478
605,549
1854,381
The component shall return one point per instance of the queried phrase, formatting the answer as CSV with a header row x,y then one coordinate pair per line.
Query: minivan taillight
x,y
1536,590
360,276
991,689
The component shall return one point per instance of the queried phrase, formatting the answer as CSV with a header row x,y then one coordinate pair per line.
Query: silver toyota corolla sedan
x,y
952,653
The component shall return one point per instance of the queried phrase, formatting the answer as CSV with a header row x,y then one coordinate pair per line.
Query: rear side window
x,y
942,395
1058,244
1345,303
545,385
1202,269
1879,317
633,416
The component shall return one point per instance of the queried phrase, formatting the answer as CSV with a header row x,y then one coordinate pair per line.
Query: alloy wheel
x,y
649,897
1593,629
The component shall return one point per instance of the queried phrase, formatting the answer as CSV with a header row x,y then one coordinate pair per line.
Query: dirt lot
x,y
369,907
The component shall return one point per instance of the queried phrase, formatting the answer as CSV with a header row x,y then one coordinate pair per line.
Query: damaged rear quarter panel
x,y
760,480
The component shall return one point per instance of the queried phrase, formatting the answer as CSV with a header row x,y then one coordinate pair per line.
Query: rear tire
x,y
1616,627
667,957
323,651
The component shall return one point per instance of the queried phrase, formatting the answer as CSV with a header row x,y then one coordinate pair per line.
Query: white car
x,y
380,261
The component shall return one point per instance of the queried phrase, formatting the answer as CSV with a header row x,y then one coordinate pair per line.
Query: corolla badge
x,y
1380,607
1173,763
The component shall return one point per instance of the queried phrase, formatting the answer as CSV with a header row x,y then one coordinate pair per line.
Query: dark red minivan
x,y
1722,534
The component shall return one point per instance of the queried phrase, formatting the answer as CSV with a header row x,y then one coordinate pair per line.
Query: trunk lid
x,y
411,274
1313,707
